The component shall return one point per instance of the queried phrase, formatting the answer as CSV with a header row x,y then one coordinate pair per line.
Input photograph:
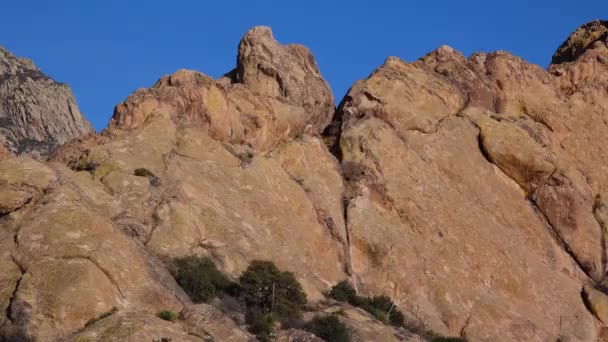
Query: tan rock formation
x,y
468,190
275,93
472,167
37,114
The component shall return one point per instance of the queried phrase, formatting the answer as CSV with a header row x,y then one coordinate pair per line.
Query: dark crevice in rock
x,y
333,132
349,270
596,207
532,201
587,303
326,221
465,325
556,235
23,205
10,314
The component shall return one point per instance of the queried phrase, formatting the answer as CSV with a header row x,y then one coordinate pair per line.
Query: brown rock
x,y
585,37
205,320
410,174
468,190
597,301
133,326
295,335
277,92
37,114
289,73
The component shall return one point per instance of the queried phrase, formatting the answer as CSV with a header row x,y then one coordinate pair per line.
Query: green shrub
x,y
260,324
385,304
200,279
381,307
270,291
167,315
448,339
245,157
329,328
343,292
143,172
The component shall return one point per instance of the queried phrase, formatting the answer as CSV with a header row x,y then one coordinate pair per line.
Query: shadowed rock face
x,y
471,191
37,114
593,35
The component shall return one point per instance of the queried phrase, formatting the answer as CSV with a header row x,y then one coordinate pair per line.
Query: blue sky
x,y
106,49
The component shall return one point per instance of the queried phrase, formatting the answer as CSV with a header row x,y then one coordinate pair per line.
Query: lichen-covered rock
x,y
592,35
37,114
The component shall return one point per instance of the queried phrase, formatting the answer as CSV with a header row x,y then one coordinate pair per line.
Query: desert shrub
x,y
143,172
343,292
270,291
200,279
84,163
245,157
447,339
381,307
385,304
260,324
102,316
11,333
167,315
329,328
367,305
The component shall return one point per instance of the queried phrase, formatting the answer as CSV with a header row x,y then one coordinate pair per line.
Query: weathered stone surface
x,y
363,327
492,146
37,113
217,200
133,326
277,92
471,191
597,301
205,320
585,37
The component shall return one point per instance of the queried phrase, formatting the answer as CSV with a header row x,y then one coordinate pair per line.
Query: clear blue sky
x,y
106,49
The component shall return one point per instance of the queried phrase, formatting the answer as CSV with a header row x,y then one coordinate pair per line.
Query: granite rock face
x,y
471,191
276,92
37,114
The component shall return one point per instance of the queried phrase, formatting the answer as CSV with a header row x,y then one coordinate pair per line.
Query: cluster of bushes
x,y
329,328
383,309
269,295
200,279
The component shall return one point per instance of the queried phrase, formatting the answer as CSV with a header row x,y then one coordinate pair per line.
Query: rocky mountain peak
x,y
592,35
37,114
282,80
466,193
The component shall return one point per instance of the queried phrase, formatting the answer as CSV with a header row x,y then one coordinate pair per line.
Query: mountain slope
x,y
37,114
470,191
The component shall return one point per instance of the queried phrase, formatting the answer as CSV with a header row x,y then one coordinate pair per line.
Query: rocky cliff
x,y
37,114
470,191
